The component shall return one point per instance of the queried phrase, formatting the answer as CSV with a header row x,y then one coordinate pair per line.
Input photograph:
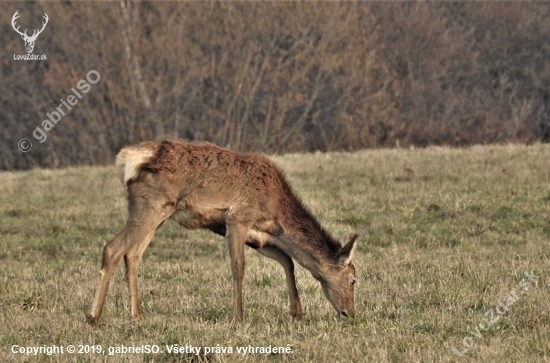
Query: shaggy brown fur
x,y
244,197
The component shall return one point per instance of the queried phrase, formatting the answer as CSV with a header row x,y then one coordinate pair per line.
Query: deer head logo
x,y
29,40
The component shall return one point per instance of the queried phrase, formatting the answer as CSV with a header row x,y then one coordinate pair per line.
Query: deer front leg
x,y
236,238
287,263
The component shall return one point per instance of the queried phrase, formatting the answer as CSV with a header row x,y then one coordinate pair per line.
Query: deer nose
x,y
347,314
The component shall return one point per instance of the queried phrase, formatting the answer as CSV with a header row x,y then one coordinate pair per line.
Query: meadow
x,y
446,238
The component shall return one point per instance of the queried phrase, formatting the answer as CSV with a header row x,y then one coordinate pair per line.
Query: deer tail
x,y
131,159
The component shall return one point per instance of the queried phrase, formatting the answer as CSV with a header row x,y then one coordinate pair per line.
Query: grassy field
x,y
446,237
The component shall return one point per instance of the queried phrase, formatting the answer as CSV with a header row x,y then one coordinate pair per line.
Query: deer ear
x,y
346,253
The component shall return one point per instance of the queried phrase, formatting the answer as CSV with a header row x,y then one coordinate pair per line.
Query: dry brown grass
x,y
444,234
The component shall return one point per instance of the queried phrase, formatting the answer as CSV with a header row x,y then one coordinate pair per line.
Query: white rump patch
x,y
129,161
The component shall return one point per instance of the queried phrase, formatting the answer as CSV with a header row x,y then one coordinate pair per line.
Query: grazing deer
x,y
243,197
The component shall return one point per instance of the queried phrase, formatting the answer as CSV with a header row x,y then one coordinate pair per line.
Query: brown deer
x,y
243,197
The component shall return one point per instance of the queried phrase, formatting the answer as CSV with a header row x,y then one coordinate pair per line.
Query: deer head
x,y
339,281
29,40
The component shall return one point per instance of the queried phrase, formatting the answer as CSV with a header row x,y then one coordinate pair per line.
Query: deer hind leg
x,y
287,263
132,260
236,238
130,243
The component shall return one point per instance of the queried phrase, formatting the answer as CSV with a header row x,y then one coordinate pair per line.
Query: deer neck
x,y
308,243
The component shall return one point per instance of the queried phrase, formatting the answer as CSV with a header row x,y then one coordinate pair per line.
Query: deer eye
x,y
353,281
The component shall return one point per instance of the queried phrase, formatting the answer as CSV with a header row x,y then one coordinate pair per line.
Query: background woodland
x,y
274,77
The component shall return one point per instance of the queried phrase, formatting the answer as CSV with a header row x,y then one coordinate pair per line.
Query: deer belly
x,y
192,219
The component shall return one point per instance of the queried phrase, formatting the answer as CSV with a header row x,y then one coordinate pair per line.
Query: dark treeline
x,y
273,77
